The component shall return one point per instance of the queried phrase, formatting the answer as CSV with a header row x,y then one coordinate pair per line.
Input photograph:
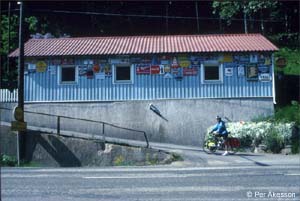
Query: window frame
x,y
212,64
114,74
60,82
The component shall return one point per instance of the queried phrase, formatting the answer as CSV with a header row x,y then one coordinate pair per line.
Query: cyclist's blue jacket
x,y
220,128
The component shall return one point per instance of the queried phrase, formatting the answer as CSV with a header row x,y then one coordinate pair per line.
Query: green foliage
x,y
296,143
274,140
275,135
287,114
257,5
6,160
246,141
292,57
176,157
13,33
29,164
32,24
119,160
228,9
151,160
290,113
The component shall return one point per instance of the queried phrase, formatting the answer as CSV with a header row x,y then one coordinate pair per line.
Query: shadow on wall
x,y
50,146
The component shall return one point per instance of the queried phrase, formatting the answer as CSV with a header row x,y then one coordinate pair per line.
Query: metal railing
x,y
59,117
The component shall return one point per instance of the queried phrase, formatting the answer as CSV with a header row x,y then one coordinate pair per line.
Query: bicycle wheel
x,y
209,146
233,145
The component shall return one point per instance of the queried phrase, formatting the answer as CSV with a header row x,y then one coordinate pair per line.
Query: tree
x,y
4,33
228,9
7,76
31,25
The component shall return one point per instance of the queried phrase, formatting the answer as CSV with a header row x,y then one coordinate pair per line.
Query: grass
x,y
11,161
8,161
290,113
176,157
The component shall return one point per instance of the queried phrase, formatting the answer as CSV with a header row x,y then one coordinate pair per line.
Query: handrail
x,y
88,120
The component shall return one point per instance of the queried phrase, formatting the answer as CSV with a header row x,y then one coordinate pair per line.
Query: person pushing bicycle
x,y
219,130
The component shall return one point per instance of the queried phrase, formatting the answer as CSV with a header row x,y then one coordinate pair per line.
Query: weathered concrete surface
x,y
8,141
182,122
49,150
58,151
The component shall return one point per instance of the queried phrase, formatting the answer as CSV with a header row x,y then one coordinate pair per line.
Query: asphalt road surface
x,y
166,183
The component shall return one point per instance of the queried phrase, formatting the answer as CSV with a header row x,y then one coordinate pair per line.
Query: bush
x,y
292,58
246,141
119,160
290,113
274,140
6,160
274,135
296,140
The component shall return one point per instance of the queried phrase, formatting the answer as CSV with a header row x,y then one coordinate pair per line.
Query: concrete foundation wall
x,y
58,151
8,141
181,122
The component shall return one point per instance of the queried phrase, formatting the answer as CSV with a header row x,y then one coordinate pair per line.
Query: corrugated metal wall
x,y
44,87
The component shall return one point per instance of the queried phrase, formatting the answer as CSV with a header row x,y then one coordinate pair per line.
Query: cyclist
x,y
220,130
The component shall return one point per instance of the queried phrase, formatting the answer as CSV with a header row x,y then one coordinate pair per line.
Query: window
x,y
123,74
212,73
68,75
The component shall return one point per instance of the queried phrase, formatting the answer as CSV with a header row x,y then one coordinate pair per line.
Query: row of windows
x,y
123,74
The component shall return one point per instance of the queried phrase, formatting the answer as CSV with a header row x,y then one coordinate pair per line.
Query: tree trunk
x,y
8,48
245,21
262,26
167,19
286,22
1,74
197,16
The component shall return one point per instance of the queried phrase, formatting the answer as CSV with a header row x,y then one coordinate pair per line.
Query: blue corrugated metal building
x,y
228,80
219,71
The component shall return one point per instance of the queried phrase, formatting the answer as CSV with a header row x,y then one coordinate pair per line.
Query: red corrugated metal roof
x,y
146,45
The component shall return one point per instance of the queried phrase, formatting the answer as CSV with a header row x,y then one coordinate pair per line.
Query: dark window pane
x,y
211,73
122,73
68,74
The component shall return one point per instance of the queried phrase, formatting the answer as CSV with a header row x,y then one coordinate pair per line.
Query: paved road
x,y
167,183
194,156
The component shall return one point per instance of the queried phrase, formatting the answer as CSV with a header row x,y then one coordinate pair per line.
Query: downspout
x,y
273,80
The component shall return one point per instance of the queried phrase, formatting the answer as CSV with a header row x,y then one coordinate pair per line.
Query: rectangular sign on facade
x,y
100,76
142,69
252,72
190,71
228,72
241,71
264,77
155,69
